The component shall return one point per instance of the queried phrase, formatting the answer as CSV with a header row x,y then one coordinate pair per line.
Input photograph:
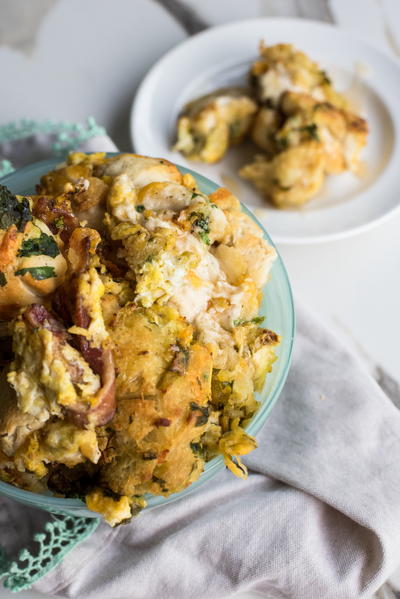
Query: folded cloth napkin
x,y
318,517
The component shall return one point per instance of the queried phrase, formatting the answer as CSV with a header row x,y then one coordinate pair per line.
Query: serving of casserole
x,y
132,345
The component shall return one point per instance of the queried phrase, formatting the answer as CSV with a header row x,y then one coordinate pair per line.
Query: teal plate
x,y
276,307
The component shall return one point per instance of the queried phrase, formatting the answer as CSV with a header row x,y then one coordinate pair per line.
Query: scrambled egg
x,y
144,364
59,442
48,373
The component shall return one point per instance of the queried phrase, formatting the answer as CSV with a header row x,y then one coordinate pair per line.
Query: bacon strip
x,y
57,214
83,243
37,316
106,405
101,362
99,359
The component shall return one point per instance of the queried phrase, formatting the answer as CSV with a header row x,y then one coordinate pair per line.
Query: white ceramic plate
x,y
221,56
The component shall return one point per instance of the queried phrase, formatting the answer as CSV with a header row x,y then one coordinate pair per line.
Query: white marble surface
x,y
86,58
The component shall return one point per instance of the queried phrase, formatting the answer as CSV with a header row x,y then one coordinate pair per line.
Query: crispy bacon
x,y
57,214
106,405
92,355
83,244
101,362
82,247
99,359
37,316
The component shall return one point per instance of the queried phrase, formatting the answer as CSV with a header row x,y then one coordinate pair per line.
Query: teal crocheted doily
x,y
65,532
58,539
65,136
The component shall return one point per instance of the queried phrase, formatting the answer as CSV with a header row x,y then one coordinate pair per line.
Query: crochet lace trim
x,y
65,136
60,537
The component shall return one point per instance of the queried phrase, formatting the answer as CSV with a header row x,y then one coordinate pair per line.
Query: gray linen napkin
x,y
319,516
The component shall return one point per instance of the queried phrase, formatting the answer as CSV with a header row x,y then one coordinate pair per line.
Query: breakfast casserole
x,y
132,345
209,125
302,127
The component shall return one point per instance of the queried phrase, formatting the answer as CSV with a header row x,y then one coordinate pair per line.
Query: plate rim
x,y
292,21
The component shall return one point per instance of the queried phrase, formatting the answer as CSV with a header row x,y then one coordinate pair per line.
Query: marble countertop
x,y
67,59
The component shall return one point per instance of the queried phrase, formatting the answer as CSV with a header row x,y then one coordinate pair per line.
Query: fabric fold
x,y
318,517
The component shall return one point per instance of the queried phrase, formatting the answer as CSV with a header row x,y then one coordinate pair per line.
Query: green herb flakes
x,y
59,222
12,210
197,448
311,130
44,245
201,226
39,273
204,413
325,78
235,129
255,320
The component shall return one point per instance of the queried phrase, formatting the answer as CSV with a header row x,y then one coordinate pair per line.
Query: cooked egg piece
x,y
114,510
281,68
291,178
209,125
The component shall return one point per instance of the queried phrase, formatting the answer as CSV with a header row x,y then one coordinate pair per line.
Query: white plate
x,y
221,56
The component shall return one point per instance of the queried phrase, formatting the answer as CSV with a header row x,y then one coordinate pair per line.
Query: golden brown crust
x,y
209,125
150,450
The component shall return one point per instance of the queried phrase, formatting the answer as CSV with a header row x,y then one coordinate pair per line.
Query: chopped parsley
x,y
3,280
203,418
311,130
59,222
282,143
140,208
13,211
161,482
37,272
204,237
197,448
44,245
201,226
255,320
235,129
324,78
